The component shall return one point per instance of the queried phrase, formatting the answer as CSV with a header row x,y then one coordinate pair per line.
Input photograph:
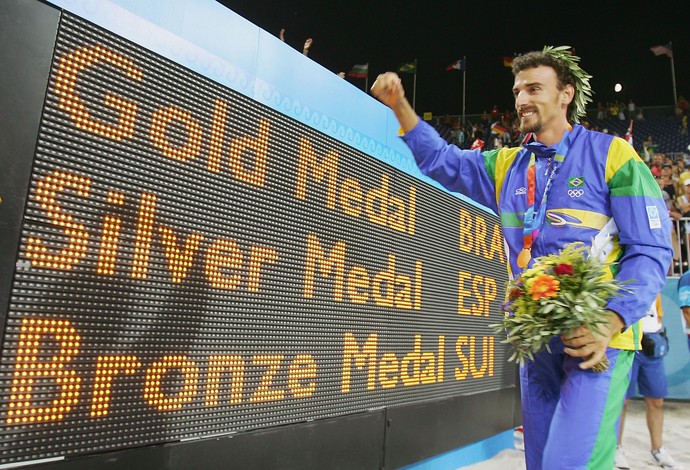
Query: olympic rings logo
x,y
576,192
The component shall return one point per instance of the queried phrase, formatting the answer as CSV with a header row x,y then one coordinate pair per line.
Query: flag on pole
x,y
498,129
666,50
629,135
408,67
507,61
457,65
359,71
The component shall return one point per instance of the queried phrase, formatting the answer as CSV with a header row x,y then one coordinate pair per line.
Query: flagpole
x,y
673,77
414,86
366,80
464,71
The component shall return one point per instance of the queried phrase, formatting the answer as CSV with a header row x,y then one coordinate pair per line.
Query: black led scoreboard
x,y
191,279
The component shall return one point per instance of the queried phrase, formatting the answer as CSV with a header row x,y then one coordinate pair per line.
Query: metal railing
x,y
680,238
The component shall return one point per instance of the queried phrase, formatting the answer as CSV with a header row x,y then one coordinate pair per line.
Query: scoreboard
x,y
190,263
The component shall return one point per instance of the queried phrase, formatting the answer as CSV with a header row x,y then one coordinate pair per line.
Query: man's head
x,y
567,72
541,99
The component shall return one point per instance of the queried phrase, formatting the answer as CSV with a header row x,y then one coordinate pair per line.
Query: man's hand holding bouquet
x,y
565,295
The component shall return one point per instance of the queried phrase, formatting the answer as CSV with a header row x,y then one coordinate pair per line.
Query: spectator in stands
x,y
667,178
473,133
675,176
495,113
478,142
682,106
674,215
515,133
601,111
561,394
683,201
507,119
621,111
648,149
649,376
460,138
613,110
683,173
657,161
485,119
683,176
505,138
683,205
631,109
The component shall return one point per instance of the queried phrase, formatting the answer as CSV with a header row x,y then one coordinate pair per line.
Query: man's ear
x,y
568,93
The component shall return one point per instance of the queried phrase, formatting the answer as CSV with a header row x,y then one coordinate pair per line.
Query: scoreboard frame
x,y
386,436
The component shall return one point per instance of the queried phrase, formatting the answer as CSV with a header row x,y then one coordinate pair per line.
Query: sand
x,y
635,440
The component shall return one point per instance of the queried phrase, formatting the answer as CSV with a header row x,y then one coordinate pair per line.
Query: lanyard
x,y
535,215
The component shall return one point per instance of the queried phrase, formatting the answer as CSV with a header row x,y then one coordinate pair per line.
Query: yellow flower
x,y
544,286
533,272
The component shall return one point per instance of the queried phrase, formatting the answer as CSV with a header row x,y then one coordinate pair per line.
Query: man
x,y
596,186
649,376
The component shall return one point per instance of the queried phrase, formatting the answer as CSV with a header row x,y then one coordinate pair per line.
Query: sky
x,y
613,39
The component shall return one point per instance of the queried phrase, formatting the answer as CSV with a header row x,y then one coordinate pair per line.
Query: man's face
x,y
538,101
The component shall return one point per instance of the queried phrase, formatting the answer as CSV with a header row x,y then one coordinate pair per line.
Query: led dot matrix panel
x,y
193,263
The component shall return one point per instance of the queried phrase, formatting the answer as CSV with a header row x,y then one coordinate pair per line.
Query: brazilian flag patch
x,y
576,182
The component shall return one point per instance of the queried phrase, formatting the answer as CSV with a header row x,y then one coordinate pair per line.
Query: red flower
x,y
515,293
563,270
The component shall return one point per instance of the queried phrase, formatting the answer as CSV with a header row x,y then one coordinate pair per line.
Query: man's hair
x,y
568,72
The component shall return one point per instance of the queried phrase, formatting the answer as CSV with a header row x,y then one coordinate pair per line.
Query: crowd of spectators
x,y
491,131
496,129
673,178
619,110
499,128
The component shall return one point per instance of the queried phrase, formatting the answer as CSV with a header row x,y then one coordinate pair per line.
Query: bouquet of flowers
x,y
558,294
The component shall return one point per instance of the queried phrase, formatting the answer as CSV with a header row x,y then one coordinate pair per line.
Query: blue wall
x,y
677,361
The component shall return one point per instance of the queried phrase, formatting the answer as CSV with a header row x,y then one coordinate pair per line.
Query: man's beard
x,y
527,128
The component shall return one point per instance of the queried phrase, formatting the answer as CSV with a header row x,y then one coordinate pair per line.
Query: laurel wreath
x,y
583,90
